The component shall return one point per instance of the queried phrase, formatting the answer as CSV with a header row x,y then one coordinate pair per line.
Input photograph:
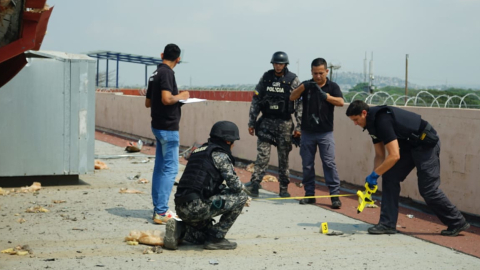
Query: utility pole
x,y
371,86
298,68
332,67
365,68
406,78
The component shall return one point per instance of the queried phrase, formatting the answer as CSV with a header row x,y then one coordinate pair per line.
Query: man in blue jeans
x,y
319,98
163,99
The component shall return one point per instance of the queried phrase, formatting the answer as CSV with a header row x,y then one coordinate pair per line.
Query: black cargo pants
x,y
427,162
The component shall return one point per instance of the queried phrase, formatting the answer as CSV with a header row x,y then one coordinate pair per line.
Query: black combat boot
x,y
219,244
308,201
284,191
174,233
252,189
455,230
336,203
381,229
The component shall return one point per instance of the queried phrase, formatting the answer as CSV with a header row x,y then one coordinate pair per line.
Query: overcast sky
x,y
232,41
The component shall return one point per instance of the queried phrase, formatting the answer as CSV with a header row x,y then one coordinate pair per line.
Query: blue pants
x,y
308,149
166,168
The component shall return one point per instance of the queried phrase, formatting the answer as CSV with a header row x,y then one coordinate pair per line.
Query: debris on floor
x,y
21,220
130,191
36,186
142,181
213,262
371,206
134,147
100,165
249,200
299,184
150,237
250,167
410,216
36,209
137,176
334,233
269,178
59,201
18,250
143,161
3,192
153,250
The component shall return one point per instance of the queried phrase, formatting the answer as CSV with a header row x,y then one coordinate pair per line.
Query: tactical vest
x,y
406,124
200,176
276,95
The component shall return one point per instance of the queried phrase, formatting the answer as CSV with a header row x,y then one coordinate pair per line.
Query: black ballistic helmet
x,y
225,130
279,58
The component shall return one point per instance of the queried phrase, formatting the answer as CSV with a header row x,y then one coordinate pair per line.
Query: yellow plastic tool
x,y
365,197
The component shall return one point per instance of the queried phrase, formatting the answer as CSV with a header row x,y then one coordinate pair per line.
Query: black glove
x,y
308,84
321,93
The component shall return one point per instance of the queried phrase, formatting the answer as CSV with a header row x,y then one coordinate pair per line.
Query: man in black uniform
x,y
201,195
411,142
275,126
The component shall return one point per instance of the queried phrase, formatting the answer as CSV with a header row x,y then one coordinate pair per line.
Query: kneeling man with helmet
x,y
201,195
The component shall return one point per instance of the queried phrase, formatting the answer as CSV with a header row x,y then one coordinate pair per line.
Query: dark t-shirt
x,y
164,117
325,113
384,125
385,128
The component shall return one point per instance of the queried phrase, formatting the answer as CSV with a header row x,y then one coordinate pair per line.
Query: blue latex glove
x,y
372,179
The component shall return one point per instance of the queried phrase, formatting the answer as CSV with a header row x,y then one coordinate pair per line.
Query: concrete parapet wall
x,y
459,131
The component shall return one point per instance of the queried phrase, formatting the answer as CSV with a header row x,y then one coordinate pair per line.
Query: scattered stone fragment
x,y
59,201
213,262
137,176
269,178
149,237
130,191
33,188
299,185
21,220
100,165
153,250
3,192
249,200
37,209
334,233
18,250
142,181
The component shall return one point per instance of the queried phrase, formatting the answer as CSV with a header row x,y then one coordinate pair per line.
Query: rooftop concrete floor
x,y
87,231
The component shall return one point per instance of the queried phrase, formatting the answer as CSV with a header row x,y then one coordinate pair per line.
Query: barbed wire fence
x,y
421,99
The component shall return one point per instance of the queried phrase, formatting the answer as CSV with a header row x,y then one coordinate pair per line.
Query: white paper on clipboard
x,y
192,100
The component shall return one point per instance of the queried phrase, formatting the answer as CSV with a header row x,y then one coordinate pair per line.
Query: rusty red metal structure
x,y
32,29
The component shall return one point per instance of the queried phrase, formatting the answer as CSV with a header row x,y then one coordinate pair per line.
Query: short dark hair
x,y
356,107
318,62
171,52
